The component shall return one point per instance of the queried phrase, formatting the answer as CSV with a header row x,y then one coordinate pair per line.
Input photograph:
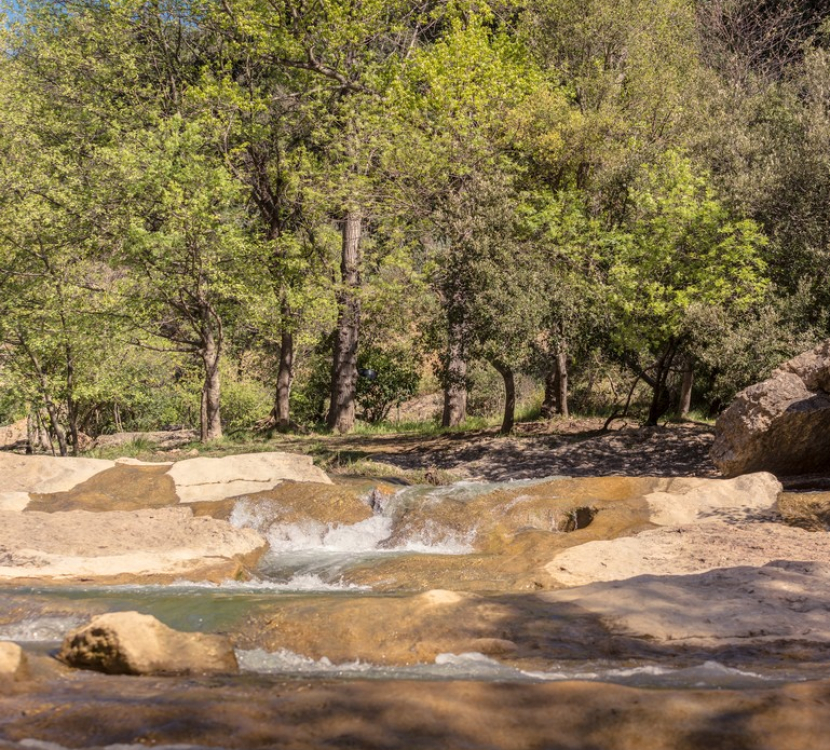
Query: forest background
x,y
297,214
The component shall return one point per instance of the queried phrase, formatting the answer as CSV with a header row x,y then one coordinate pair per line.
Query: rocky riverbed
x,y
607,612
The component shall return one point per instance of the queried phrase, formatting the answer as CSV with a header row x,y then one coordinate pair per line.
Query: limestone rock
x,y
123,546
204,479
781,425
132,643
46,473
13,663
687,500
714,607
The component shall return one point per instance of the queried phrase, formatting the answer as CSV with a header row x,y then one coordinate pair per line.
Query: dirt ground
x,y
578,448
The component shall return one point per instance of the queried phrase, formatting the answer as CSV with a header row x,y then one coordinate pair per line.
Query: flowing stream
x,y
311,559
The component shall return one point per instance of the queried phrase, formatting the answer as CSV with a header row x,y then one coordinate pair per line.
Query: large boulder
x,y
781,425
132,643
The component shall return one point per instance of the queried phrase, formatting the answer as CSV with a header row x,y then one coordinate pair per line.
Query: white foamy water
x,y
301,582
312,555
364,536
477,666
40,628
472,666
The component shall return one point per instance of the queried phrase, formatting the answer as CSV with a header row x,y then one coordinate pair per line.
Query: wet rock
x,y
416,629
13,663
781,425
805,510
132,643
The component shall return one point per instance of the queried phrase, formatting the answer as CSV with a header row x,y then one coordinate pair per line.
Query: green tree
x,y
192,263
55,288
679,246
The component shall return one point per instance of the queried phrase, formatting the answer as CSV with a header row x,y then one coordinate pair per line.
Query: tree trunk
x,y
58,430
285,377
344,366
549,406
561,381
51,409
32,433
509,418
660,402
455,379
71,406
556,388
685,404
210,422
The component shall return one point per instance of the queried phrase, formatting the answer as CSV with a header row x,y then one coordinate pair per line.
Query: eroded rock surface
x,y
48,483
219,478
781,425
123,546
132,643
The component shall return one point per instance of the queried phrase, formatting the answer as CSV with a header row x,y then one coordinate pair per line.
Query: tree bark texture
x,y
509,419
661,398
341,414
685,405
455,379
210,422
561,383
556,388
285,377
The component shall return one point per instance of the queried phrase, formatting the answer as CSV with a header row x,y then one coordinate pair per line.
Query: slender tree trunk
x,y
285,377
32,436
455,378
549,403
562,383
57,428
51,409
341,415
660,401
71,406
556,388
509,419
685,404
211,424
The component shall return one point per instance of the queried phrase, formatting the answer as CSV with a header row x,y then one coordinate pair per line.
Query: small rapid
x,y
303,549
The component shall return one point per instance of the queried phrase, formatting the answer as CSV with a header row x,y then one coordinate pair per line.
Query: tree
x,y
55,289
458,99
191,261
678,246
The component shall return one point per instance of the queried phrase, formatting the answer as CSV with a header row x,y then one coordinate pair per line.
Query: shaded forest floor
x,y
574,448
577,447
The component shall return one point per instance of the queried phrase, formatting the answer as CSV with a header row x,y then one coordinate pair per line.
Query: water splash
x,y
40,628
